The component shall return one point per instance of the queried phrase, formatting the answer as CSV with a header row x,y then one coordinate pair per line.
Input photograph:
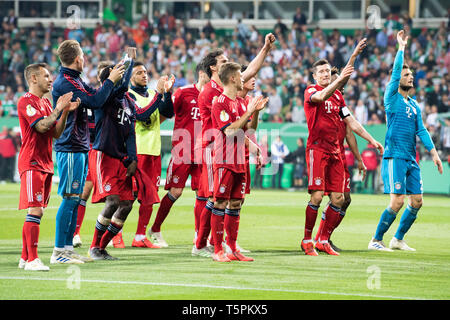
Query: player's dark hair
x,y
334,71
198,68
211,60
33,69
138,64
228,69
67,51
319,62
101,66
105,73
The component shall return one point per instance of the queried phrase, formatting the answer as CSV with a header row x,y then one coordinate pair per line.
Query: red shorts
x,y
88,176
177,175
148,178
228,184
325,171
206,183
109,177
35,187
347,178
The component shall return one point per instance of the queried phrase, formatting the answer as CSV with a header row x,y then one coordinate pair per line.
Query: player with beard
x,y
399,169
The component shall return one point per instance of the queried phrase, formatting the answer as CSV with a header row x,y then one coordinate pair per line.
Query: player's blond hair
x,y
227,70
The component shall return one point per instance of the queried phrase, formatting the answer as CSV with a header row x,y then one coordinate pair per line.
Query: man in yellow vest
x,y
148,143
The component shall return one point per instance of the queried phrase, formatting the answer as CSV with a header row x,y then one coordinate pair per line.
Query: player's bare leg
x,y
112,203
115,226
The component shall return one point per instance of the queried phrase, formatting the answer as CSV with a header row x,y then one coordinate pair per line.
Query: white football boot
x,y
400,245
378,245
35,265
156,238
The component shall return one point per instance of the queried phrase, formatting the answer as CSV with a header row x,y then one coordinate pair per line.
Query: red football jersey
x,y
324,120
187,118
229,152
36,150
210,91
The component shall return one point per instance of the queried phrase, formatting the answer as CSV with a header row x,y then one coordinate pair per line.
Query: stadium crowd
x,y
170,47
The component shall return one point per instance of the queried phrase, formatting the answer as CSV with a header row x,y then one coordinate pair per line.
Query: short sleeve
x,y
221,115
29,111
309,92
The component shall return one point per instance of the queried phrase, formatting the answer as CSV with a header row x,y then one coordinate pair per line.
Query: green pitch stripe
x,y
216,287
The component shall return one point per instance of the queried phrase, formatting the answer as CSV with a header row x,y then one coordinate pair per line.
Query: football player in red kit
x,y
212,63
38,126
229,161
324,109
186,128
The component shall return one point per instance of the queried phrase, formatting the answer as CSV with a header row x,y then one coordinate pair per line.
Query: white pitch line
x,y
219,287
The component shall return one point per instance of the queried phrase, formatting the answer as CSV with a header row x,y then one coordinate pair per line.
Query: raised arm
x,y
256,64
394,82
351,62
95,99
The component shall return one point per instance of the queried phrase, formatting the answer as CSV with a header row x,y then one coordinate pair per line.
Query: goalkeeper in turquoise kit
x,y
400,171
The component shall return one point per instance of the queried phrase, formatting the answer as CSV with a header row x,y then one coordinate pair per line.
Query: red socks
x,y
163,211
232,227
332,219
310,220
30,237
145,213
112,230
200,204
205,225
80,215
99,231
217,228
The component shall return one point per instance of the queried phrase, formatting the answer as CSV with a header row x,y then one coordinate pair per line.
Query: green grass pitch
x,y
271,227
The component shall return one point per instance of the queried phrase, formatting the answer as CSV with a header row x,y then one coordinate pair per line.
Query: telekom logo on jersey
x,y
329,106
195,113
230,149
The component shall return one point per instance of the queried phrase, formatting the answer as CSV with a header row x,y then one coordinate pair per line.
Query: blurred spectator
x,y
275,104
8,155
299,18
361,113
278,151
169,46
371,160
263,145
298,159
